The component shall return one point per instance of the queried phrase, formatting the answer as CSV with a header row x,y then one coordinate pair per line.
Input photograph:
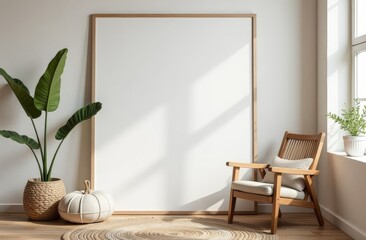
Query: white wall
x,y
32,32
342,180
343,203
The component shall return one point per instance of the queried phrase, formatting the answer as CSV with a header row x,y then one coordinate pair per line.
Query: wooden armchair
x,y
294,147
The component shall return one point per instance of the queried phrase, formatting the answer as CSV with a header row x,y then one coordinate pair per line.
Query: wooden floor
x,y
291,226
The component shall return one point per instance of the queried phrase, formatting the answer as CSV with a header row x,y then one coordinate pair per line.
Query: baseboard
x,y
181,213
267,208
11,208
347,227
18,208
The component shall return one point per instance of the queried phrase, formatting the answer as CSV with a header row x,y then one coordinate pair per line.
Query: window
x,y
360,18
359,50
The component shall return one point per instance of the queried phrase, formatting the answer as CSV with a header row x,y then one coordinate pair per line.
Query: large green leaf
x,y
22,139
21,85
47,95
79,116
22,93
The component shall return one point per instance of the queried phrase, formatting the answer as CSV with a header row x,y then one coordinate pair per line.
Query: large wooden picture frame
x,y
179,100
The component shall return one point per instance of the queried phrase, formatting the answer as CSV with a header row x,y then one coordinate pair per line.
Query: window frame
x,y
359,39
358,46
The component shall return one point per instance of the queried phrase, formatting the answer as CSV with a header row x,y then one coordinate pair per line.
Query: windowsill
x,y
345,156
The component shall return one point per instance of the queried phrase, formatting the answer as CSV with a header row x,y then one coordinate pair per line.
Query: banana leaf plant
x,y
46,99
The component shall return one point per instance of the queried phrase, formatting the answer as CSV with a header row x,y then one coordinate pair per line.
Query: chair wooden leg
x,y
318,214
314,199
232,203
276,202
275,211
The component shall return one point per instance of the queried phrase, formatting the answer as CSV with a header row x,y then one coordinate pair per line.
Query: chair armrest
x,y
248,165
293,171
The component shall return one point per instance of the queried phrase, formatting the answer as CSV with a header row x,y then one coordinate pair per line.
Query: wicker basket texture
x,y
40,199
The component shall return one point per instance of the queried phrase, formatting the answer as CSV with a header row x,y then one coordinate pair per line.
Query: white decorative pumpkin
x,y
86,206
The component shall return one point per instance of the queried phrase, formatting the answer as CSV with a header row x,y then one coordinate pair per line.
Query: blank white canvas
x,y
177,105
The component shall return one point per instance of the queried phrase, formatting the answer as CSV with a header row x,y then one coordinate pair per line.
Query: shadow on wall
x,y
307,90
219,199
20,160
5,94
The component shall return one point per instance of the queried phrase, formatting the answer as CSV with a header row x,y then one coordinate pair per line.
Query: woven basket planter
x,y
41,199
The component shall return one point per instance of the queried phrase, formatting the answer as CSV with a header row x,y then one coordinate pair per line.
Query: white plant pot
x,y
354,146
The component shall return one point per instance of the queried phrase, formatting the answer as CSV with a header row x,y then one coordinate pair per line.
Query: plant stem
x,y
39,166
39,142
53,160
44,160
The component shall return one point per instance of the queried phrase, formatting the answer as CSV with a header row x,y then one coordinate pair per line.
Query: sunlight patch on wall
x,y
207,94
141,139
334,132
333,27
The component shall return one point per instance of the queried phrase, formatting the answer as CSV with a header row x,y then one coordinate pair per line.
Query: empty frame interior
x,y
178,95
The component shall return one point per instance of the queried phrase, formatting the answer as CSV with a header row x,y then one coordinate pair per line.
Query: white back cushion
x,y
289,180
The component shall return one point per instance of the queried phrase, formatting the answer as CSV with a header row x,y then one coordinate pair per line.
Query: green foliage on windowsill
x,y
352,119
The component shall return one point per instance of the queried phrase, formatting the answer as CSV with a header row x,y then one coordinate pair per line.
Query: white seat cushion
x,y
266,189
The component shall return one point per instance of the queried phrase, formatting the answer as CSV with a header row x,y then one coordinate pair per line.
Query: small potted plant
x,y
353,121
41,195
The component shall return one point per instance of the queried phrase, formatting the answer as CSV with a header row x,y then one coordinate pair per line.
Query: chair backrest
x,y
299,146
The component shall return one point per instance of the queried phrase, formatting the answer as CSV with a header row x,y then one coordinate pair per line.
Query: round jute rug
x,y
164,228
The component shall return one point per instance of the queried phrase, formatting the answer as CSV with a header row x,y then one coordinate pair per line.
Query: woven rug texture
x,y
167,228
